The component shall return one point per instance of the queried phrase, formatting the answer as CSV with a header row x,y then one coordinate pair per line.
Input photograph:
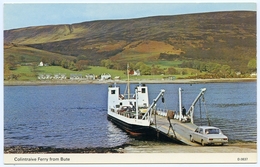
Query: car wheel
x,y
191,139
202,143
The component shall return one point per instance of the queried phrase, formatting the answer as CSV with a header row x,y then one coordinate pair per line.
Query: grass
x,y
27,73
53,70
23,69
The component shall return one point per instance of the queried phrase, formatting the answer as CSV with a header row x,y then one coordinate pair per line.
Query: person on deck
x,y
183,111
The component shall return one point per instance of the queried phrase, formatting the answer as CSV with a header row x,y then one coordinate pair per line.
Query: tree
x,y
202,66
138,65
216,68
171,71
11,62
103,63
145,70
45,59
7,72
72,66
155,70
131,66
252,65
196,65
81,65
107,63
225,71
65,63
183,71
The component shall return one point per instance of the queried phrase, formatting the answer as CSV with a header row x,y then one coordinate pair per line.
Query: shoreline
x,y
145,147
82,82
237,147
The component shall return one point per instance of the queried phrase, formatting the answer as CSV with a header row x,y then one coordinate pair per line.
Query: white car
x,y
208,135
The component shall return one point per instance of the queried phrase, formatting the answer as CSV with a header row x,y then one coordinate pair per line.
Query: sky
x,y
18,15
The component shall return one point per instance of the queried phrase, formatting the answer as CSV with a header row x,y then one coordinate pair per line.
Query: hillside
x,y
227,38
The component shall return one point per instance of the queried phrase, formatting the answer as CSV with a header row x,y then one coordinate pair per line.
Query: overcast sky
x,y
18,15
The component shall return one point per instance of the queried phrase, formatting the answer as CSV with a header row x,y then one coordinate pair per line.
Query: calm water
x,y
74,116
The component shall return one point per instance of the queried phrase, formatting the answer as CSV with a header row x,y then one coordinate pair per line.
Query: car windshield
x,y
212,131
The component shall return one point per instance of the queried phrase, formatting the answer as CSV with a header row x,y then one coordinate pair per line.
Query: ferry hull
x,y
134,130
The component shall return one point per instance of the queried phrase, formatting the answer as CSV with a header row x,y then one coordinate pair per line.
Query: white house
x,y
254,74
75,76
238,73
137,72
41,64
90,77
105,76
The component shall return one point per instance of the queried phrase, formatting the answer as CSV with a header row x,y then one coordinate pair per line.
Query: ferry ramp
x,y
174,129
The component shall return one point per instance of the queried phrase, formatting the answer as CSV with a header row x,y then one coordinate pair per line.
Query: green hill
x,y
193,40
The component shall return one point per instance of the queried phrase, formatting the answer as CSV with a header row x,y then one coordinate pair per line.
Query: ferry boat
x,y
131,112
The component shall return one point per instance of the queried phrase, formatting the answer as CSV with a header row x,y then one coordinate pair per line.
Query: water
x,y
74,116
59,116
229,106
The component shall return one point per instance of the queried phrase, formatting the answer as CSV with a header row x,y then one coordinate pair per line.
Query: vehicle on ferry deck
x,y
207,135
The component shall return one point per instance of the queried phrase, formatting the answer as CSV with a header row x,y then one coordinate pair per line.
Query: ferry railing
x,y
149,113
131,96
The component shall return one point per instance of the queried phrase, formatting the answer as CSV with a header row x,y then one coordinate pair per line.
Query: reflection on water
x,y
74,116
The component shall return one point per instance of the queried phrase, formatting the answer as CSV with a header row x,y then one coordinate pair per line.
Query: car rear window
x,y
212,131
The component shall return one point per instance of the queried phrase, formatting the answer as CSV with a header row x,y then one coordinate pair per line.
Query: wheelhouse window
x,y
113,92
143,90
